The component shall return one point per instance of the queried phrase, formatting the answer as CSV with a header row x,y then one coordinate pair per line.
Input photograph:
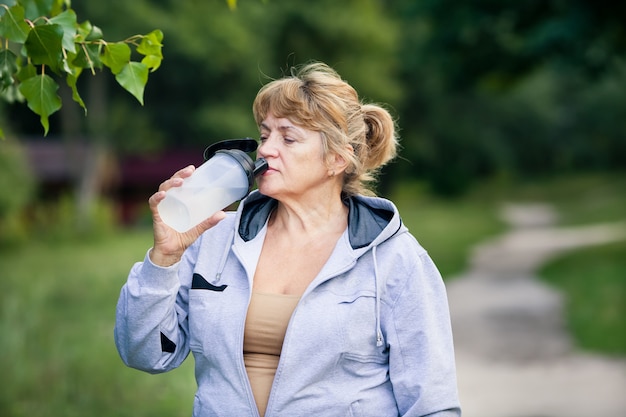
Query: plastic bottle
x,y
223,179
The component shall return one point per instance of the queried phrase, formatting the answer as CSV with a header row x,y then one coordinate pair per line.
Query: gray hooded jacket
x,y
370,336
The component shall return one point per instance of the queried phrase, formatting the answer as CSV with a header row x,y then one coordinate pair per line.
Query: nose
x,y
267,147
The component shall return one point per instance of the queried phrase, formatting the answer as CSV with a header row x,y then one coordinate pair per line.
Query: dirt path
x,y
514,355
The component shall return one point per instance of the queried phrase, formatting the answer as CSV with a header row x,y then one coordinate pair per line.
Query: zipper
x,y
243,374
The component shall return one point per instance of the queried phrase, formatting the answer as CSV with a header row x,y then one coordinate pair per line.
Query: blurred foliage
x,y
58,221
216,60
23,218
578,199
17,191
485,89
510,89
448,227
492,43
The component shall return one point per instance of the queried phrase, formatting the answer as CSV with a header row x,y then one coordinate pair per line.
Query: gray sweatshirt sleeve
x,y
422,364
151,327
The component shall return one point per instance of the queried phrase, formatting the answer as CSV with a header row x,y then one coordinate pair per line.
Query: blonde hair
x,y
315,97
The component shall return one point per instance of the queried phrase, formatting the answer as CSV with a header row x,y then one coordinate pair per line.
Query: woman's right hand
x,y
169,244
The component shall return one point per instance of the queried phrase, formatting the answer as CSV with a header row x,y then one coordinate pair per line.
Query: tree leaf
x,y
12,94
58,5
13,26
133,78
40,93
72,79
151,44
88,52
67,20
26,72
88,56
8,68
84,29
95,34
44,45
37,8
116,56
8,4
153,62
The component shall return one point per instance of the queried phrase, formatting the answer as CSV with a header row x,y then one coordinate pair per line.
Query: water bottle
x,y
223,179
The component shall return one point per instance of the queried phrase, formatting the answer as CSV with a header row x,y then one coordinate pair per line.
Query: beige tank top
x,y
266,325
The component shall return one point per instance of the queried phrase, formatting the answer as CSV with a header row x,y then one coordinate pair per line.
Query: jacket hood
x,y
371,220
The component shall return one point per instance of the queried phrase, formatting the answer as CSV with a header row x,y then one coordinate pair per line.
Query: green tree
x,y
493,43
218,59
478,100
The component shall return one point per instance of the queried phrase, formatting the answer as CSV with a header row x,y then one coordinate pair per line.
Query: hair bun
x,y
380,135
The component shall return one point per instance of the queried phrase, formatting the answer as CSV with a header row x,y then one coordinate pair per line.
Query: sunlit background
x,y
512,173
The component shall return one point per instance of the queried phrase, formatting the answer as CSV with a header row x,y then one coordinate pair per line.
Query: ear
x,y
338,163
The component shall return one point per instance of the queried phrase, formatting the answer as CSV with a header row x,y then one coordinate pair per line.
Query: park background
x,y
497,101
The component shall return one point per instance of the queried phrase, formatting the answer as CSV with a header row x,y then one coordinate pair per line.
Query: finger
x,y
216,218
176,180
211,221
156,198
185,172
171,183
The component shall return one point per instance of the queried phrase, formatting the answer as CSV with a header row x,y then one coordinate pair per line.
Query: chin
x,y
265,190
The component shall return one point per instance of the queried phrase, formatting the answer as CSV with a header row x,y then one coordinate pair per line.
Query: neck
x,y
317,217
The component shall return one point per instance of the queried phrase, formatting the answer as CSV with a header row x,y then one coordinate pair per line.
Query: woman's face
x,y
295,158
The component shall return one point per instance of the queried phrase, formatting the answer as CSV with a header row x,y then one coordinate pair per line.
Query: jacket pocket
x,y
199,283
215,317
364,366
203,304
356,317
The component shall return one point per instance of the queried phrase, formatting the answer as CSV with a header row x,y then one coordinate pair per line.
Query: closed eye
x,y
286,140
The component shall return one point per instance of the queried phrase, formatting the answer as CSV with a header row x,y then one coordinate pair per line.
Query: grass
x,y
56,320
579,199
447,228
594,283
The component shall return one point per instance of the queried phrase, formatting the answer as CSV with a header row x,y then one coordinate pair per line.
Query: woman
x,y
311,299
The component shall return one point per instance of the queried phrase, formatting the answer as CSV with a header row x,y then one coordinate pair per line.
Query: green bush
x,y
60,220
17,190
